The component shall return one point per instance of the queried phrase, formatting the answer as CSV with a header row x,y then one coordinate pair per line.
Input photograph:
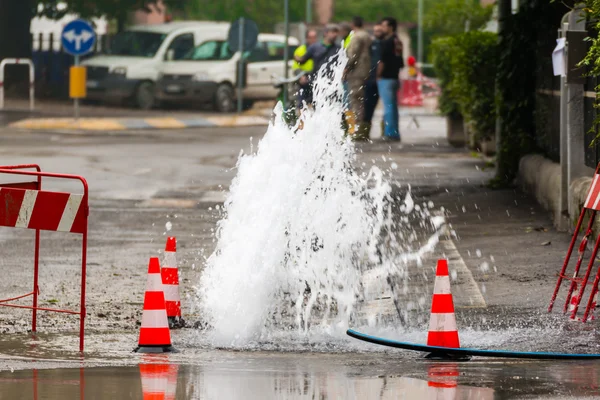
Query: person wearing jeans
x,y
388,92
388,72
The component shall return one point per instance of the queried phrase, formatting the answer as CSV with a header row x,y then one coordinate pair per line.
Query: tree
x,y
15,20
374,10
450,17
118,10
266,13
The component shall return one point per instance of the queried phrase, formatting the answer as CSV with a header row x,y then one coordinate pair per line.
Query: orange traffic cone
x,y
444,378
155,336
170,280
442,324
154,381
171,391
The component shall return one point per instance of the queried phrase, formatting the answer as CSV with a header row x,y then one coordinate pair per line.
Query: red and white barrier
x,y
26,205
35,209
18,61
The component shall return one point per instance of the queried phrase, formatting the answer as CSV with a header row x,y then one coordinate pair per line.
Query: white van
x,y
208,74
129,70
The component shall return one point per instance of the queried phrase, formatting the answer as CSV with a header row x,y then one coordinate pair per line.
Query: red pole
x,y
81,384
587,277
582,247
567,258
591,300
36,266
83,268
35,384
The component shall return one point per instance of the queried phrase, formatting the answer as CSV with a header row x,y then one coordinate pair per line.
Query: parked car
x,y
208,73
130,67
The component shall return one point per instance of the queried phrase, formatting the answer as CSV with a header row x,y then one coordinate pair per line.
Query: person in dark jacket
x,y
388,78
322,54
371,93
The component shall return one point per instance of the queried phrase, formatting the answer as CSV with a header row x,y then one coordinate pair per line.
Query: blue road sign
x,y
78,37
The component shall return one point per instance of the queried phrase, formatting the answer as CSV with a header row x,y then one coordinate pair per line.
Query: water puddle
x,y
271,376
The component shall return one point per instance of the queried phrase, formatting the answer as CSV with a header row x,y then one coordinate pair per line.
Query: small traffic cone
x,y
171,391
170,280
442,324
154,381
155,336
444,378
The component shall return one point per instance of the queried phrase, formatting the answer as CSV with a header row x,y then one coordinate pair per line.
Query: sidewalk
x,y
58,115
49,115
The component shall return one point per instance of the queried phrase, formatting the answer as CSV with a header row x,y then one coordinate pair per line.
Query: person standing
x,y
371,93
388,83
321,54
356,74
345,36
306,68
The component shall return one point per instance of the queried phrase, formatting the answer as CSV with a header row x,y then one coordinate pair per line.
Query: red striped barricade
x,y
26,205
590,209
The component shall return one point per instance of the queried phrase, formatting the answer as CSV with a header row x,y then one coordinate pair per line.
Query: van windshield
x,y
136,44
213,50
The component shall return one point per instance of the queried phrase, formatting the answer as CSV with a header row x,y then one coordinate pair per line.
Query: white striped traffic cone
x,y
171,391
170,280
443,379
154,381
442,324
155,336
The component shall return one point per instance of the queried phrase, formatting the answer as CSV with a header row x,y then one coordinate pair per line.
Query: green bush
x,y
442,50
466,67
474,64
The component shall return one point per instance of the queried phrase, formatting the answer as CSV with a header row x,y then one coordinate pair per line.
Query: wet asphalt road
x,y
140,180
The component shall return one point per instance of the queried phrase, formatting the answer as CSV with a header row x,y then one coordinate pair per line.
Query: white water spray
x,y
300,227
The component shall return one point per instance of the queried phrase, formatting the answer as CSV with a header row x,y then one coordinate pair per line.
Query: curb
x,y
542,178
121,124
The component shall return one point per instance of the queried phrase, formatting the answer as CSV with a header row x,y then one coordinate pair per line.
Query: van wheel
x,y
224,98
144,95
247,104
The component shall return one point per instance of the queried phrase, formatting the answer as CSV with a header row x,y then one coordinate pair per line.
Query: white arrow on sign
x,y
83,37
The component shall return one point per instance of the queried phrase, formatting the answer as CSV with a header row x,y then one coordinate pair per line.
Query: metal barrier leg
x,y
582,247
567,258
83,273
591,300
587,277
36,265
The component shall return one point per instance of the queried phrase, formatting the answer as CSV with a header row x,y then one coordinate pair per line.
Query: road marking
x,y
465,290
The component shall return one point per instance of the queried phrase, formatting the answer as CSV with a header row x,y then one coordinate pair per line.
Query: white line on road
x,y
466,292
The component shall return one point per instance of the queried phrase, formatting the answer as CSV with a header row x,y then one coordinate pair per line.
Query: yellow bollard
x,y
77,78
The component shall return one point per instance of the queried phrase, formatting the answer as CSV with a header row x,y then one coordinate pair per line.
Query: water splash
x,y
300,228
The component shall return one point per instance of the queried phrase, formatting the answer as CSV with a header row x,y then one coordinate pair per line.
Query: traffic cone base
x,y
155,349
443,331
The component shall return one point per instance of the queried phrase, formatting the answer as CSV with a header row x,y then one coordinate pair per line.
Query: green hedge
x,y
466,65
441,54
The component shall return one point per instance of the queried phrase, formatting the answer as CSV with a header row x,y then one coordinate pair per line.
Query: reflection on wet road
x,y
249,376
